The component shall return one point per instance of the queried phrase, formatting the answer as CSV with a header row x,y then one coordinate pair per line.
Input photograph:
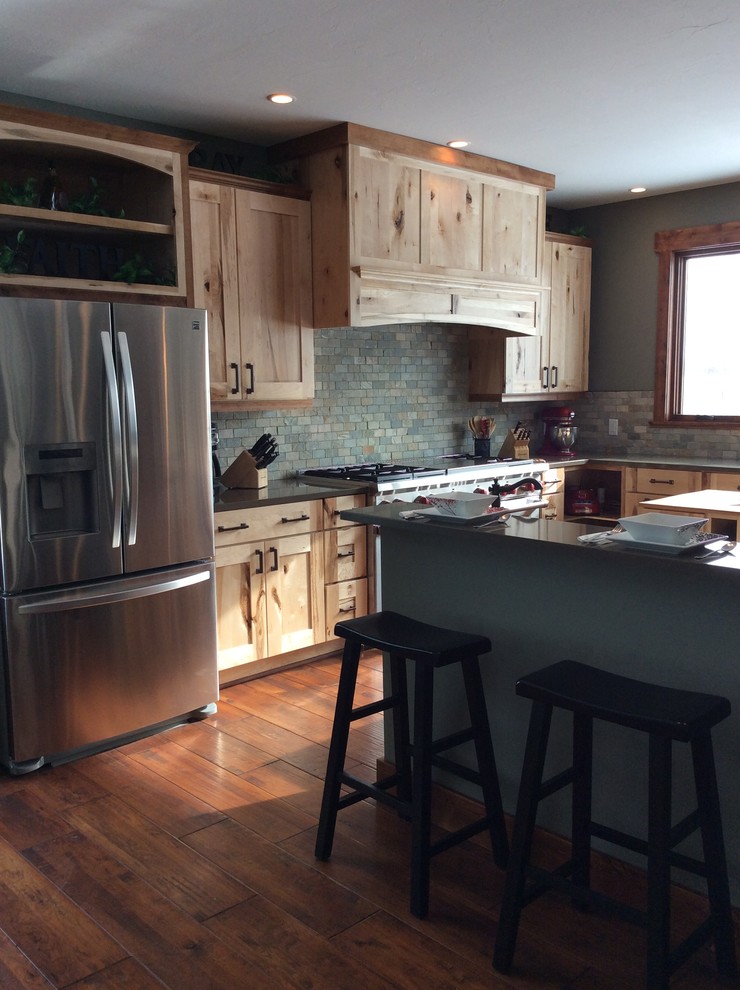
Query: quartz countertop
x,y
561,535
277,492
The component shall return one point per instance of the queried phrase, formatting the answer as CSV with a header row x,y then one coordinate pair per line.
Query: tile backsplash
x,y
399,393
395,393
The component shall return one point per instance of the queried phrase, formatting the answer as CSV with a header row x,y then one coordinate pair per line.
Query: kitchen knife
x,y
268,455
261,445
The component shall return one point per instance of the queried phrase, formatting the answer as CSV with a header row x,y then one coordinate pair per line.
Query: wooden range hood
x,y
405,231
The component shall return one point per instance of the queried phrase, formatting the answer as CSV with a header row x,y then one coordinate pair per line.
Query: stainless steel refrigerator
x,y
106,526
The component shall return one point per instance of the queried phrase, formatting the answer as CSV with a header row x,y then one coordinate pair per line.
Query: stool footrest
x,y
373,708
455,838
378,791
465,773
556,783
454,739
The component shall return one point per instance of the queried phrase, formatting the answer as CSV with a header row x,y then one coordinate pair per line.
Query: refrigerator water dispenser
x,y
61,489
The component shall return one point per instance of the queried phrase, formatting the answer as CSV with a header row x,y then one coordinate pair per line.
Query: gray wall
x,y
625,277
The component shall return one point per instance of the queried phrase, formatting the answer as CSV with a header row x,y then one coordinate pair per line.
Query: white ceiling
x,y
606,94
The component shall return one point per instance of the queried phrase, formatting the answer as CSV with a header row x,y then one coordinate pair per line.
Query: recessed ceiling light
x,y
281,98
638,189
458,144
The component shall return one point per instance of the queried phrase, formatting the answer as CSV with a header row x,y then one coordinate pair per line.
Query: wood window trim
x,y
672,246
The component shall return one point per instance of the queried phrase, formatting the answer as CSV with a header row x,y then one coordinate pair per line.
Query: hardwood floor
x,y
185,861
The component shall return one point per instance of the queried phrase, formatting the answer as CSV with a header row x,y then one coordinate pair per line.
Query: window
x,y
698,342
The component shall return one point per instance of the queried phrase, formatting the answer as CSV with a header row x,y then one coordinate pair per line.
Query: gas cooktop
x,y
381,471
371,472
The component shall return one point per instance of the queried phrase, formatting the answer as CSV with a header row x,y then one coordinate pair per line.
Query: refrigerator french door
x,y
106,535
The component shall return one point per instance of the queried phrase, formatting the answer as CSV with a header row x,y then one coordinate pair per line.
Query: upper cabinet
x,y
406,231
252,273
115,222
554,362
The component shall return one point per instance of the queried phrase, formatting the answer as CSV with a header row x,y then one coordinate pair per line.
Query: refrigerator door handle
x,y
132,437
115,454
87,597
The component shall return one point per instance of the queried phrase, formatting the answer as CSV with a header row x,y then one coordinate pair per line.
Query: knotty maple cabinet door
x,y
270,598
252,273
569,266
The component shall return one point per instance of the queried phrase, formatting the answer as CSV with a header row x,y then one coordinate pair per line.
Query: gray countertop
x,y
276,492
546,531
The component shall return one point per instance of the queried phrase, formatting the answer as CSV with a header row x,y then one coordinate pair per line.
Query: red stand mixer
x,y
559,432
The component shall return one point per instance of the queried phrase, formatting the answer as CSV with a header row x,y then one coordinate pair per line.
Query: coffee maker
x,y
559,433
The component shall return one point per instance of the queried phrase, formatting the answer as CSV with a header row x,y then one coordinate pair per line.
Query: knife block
x,y
514,447
244,473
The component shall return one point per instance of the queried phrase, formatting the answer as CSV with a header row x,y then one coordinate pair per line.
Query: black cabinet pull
x,y
273,551
301,518
347,553
554,376
235,368
662,481
229,529
250,368
260,568
545,377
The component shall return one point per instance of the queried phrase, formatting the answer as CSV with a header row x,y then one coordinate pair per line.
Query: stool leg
x,y
710,819
521,840
659,864
401,744
337,749
581,805
421,822
486,761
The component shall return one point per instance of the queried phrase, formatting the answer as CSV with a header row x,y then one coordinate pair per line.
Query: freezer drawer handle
x,y
302,518
65,602
228,529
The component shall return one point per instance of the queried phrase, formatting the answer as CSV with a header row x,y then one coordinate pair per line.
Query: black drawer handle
x,y
662,481
229,529
302,518
347,553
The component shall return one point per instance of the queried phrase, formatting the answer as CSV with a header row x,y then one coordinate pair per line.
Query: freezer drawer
x,y
94,662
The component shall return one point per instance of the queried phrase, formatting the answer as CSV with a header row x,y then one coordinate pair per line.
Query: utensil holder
x,y
515,447
244,473
481,448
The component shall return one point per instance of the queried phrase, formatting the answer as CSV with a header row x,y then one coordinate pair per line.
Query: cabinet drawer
x,y
267,522
661,481
345,553
345,600
724,482
333,506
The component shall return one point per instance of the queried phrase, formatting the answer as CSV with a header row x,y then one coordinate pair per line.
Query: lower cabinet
x,y
285,574
269,597
641,484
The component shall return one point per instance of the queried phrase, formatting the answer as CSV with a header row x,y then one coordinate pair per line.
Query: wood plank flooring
x,y
185,861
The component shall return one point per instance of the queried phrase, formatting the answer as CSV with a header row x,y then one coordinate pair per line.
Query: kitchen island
x,y
541,596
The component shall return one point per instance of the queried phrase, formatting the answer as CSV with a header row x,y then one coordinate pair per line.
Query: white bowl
x,y
663,527
465,504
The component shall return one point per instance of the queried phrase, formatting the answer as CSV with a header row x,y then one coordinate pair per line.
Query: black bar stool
x,y
428,647
666,714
